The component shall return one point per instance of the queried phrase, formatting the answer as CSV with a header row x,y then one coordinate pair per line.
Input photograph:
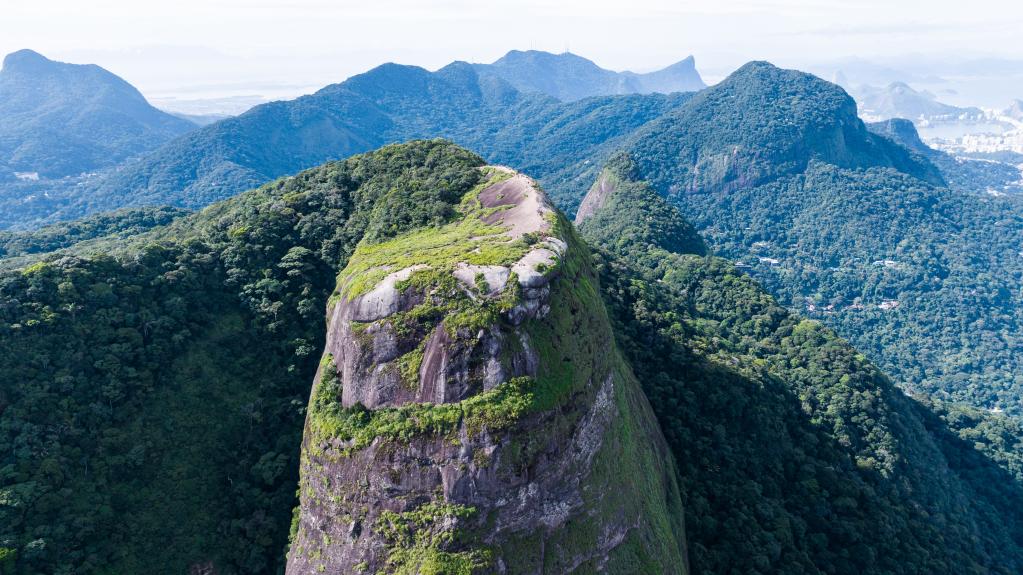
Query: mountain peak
x,y
760,75
467,332
59,119
759,123
901,131
569,77
540,55
761,69
26,60
685,63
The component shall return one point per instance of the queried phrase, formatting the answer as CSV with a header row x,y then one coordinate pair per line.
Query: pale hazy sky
x,y
278,48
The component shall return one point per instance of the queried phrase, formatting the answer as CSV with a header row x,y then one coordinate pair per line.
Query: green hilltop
x,y
159,384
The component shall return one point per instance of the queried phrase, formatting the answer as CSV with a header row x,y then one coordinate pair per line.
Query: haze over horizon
x,y
226,48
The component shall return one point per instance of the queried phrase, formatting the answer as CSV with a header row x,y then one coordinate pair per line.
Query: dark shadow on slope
x,y
775,484
796,454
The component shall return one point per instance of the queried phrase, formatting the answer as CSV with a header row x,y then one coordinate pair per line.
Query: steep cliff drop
x,y
471,413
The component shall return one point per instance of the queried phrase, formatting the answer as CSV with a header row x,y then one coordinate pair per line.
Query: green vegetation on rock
x,y
356,427
153,398
419,541
466,239
795,454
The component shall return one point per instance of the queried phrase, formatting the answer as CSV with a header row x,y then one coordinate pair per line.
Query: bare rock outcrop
x,y
471,414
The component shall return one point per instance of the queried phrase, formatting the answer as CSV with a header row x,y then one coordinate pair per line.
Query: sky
x,y
276,48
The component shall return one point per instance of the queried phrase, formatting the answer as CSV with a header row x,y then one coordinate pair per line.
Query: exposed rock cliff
x,y
471,412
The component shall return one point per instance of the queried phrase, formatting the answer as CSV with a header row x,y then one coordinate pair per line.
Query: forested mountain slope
x,y
561,143
796,454
778,174
105,225
60,119
154,396
152,399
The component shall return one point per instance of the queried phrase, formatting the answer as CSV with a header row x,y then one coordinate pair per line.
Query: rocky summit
x,y
471,412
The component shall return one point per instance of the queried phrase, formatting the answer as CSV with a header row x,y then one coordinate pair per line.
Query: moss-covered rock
x,y
471,413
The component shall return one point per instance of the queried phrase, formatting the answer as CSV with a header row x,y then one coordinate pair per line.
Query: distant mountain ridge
x,y
570,77
59,119
561,142
899,100
557,141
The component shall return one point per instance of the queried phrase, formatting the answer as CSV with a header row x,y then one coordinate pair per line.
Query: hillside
x,y
561,143
792,452
759,124
778,174
195,467
899,100
796,455
570,77
60,119
978,176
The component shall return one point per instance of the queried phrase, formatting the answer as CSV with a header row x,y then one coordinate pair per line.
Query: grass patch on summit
x,y
465,239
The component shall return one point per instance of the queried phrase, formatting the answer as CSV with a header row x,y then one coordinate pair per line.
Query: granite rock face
x,y
471,413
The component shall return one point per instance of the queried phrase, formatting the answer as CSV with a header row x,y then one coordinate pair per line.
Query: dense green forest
x,y
777,173
796,455
563,144
152,404
119,224
60,119
155,385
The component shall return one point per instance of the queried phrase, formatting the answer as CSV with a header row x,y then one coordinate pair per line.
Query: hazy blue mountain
x,y
1015,110
899,100
570,77
562,143
60,119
